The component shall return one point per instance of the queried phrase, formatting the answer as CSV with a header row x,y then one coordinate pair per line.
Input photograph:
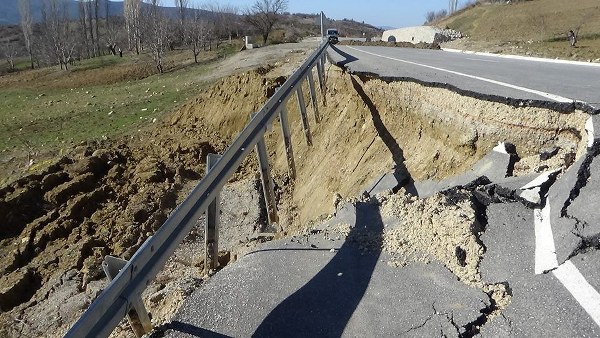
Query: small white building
x,y
418,34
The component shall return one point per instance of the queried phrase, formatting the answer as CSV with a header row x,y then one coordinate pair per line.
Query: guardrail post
x,y
313,96
287,141
320,76
267,181
211,234
305,124
137,315
323,62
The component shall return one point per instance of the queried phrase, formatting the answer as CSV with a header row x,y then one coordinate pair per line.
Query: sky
x,y
391,13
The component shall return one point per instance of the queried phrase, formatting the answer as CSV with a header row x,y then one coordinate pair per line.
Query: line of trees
x,y
144,27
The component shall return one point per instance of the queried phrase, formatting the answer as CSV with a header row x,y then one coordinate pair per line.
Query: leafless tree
x,y
115,37
182,13
133,22
452,6
197,33
96,38
10,50
59,38
264,14
27,27
83,27
157,27
223,19
433,16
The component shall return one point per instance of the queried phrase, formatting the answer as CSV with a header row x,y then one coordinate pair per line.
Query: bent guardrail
x,y
123,294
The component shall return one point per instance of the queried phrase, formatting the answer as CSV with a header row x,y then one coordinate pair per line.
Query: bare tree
x,y
197,33
27,27
158,32
10,51
88,22
133,21
264,14
96,37
182,12
114,35
452,6
229,18
59,38
83,27
223,19
433,16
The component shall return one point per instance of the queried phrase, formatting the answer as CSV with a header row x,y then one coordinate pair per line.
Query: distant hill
x,y
9,10
309,24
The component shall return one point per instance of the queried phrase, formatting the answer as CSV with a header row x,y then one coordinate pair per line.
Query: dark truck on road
x,y
332,35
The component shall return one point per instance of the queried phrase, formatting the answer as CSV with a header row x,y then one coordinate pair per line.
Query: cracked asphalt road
x,y
487,75
311,285
316,286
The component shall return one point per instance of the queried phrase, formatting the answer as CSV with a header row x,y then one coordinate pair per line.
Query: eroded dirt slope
x,y
372,127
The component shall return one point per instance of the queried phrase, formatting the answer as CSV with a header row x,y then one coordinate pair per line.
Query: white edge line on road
x,y
589,128
580,289
525,58
545,252
552,97
567,273
482,60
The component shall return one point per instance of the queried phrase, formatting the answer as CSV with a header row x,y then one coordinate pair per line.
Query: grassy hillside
x,y
47,110
538,24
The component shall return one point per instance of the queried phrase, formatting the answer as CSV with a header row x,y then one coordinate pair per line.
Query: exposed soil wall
x,y
370,127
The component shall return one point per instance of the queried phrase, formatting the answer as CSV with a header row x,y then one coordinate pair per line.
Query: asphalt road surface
x,y
514,78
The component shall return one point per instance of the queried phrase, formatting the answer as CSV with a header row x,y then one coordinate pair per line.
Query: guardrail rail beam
x,y
138,317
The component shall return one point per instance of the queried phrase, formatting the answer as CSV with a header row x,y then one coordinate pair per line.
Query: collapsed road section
x,y
412,213
420,187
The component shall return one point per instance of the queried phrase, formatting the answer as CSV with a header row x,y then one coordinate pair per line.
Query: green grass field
x,y
100,98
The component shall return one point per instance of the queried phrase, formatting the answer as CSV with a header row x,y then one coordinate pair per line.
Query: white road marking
x,y
482,60
500,148
580,289
589,128
524,58
545,252
549,96
541,179
567,273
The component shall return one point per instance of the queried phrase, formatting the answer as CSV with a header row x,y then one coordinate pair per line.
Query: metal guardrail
x,y
123,295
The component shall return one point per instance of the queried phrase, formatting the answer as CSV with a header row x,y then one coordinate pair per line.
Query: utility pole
x,y
322,28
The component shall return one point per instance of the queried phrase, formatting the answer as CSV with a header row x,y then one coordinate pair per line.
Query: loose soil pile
x,y
107,198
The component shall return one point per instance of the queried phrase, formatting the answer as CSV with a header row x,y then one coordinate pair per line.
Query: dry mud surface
x,y
108,198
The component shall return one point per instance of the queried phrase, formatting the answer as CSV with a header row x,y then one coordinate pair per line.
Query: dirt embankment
x,y
372,127
108,198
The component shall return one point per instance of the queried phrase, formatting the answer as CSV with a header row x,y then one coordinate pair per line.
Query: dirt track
x,y
107,198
